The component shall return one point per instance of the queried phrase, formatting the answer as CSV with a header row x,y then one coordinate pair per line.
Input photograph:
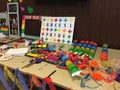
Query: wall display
x,y
13,24
30,32
57,29
4,23
13,18
12,7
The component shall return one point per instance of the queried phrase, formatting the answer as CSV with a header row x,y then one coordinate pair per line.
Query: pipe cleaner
x,y
85,78
107,64
110,75
97,76
104,53
94,64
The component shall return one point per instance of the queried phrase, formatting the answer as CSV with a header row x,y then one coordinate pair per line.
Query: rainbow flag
x,y
4,30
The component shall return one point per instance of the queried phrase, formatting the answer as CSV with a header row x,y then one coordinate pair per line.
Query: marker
x,y
51,73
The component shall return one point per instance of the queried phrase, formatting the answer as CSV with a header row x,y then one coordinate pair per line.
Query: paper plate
x,y
5,57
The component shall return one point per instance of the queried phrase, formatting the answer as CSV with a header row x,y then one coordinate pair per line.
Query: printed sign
x,y
57,29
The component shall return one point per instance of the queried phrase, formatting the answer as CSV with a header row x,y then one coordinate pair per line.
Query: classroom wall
x,y
97,21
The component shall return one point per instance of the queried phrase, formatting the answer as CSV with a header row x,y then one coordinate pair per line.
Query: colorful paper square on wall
x,y
57,29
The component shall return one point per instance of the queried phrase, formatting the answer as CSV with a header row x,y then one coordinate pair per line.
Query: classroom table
x,y
8,39
61,77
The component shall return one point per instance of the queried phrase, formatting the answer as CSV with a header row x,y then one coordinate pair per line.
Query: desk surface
x,y
61,77
8,39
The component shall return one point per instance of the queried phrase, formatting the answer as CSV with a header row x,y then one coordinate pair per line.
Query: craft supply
x,y
30,10
94,63
20,1
39,46
108,75
76,50
71,49
97,76
118,62
20,40
64,58
33,53
15,45
92,54
117,76
52,59
85,78
32,61
2,35
28,42
61,65
4,57
82,66
36,60
107,64
4,47
104,53
51,48
17,51
72,68
51,73
109,70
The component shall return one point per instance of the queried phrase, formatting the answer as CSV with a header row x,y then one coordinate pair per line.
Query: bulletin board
x,y
57,29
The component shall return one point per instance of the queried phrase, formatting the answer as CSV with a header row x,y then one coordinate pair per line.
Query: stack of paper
x,y
17,51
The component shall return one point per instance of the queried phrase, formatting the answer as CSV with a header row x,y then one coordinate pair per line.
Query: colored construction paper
x,y
20,1
9,0
30,9
22,8
15,0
